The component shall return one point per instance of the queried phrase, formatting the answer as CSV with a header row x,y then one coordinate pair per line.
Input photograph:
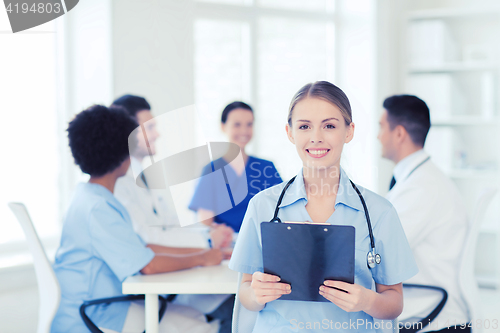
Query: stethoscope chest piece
x,y
373,259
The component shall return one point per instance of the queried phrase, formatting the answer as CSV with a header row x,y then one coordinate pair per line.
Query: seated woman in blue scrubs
x,y
237,122
319,124
99,248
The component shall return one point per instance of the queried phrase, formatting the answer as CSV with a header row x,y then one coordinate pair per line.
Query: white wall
x,y
480,142
388,73
84,75
153,52
18,300
356,75
153,56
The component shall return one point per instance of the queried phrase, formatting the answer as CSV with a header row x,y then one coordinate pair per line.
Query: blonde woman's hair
x,y
325,91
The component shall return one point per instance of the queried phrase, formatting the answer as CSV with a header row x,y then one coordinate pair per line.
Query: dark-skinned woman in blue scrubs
x,y
237,123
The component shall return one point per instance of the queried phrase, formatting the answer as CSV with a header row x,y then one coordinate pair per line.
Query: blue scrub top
x,y
397,263
212,193
98,250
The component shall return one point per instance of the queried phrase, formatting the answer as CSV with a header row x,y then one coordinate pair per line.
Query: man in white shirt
x,y
429,206
154,217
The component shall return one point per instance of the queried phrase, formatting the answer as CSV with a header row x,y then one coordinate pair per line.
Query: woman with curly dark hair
x,y
99,248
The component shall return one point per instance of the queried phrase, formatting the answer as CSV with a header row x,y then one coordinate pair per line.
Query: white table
x,y
199,280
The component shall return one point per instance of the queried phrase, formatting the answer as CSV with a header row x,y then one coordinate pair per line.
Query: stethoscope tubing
x,y
373,258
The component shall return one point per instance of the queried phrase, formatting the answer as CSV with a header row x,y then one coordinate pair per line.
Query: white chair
x,y
428,296
48,287
244,320
467,280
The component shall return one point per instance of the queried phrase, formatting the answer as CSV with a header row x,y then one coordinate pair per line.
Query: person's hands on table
x,y
212,257
221,236
227,252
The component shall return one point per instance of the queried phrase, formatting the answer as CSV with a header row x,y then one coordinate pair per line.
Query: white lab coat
x,y
435,222
162,228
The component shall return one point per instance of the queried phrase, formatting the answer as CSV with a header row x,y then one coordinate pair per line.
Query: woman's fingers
x,y
347,287
333,292
267,288
338,302
349,297
267,281
284,288
267,295
263,277
271,292
328,296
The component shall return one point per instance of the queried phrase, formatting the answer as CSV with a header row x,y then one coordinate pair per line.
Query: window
x,y
261,52
222,68
29,136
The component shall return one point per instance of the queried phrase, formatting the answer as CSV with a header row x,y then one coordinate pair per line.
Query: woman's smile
x,y
319,132
243,138
317,152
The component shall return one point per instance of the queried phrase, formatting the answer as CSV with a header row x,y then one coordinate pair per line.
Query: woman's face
x,y
146,141
239,127
319,132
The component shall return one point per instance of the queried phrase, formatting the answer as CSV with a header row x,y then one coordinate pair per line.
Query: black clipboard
x,y
305,255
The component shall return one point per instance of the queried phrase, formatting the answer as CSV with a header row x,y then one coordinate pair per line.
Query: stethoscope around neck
x,y
373,259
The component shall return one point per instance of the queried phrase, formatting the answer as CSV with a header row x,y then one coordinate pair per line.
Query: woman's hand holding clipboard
x,y
348,297
305,255
267,287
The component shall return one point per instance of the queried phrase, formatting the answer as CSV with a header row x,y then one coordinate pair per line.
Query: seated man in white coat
x,y
429,207
153,215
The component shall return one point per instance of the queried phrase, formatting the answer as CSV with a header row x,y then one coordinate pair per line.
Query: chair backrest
x,y
467,280
48,285
244,320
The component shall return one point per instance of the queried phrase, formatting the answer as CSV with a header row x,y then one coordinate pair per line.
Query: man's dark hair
x,y
133,104
232,106
98,138
410,112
